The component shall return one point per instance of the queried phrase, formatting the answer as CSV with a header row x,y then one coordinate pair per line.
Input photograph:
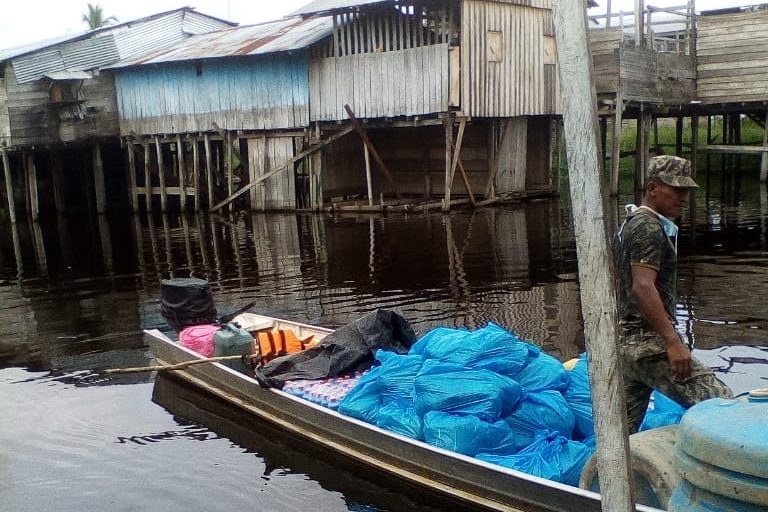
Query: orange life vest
x,y
272,344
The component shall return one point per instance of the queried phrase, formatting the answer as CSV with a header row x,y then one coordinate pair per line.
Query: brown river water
x,y
76,291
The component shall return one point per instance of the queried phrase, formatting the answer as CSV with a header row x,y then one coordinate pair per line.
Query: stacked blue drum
x,y
722,456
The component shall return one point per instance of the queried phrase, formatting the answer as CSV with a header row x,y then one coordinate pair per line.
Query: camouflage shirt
x,y
643,242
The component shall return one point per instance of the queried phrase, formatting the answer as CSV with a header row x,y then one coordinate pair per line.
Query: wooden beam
x,y
367,155
196,172
34,201
8,185
597,281
147,176
457,148
364,136
161,174
182,172
98,179
616,144
133,195
208,170
286,165
228,171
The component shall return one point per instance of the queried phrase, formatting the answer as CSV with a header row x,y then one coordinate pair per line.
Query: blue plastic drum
x,y
722,456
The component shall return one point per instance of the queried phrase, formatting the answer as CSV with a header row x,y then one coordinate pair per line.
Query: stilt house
x,y
54,98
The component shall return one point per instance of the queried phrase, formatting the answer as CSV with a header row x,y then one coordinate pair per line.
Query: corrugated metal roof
x,y
271,37
18,51
68,75
318,6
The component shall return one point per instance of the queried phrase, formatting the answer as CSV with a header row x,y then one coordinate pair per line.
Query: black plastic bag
x,y
346,350
186,301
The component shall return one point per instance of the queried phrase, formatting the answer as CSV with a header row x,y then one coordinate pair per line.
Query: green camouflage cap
x,y
672,170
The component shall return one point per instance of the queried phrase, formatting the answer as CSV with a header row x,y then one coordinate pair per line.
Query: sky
x,y
27,21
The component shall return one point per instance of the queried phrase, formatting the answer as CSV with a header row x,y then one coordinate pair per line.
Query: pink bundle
x,y
199,338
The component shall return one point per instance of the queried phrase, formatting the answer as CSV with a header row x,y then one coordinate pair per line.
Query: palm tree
x,y
95,17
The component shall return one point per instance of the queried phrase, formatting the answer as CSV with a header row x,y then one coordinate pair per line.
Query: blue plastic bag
x,y
538,412
550,456
662,412
397,374
491,347
468,434
579,398
364,400
399,416
543,372
450,388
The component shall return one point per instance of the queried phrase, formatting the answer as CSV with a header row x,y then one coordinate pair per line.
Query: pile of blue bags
x,y
483,393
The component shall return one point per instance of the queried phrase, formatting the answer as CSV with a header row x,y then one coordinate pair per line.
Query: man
x,y
653,353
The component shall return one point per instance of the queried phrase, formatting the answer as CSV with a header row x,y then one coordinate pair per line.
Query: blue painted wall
x,y
235,93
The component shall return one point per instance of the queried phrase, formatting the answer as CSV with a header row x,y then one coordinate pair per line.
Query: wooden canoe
x,y
454,476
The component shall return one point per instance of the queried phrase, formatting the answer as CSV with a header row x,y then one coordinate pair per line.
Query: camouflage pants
x,y
646,367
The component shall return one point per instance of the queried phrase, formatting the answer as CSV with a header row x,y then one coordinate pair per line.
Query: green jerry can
x,y
231,340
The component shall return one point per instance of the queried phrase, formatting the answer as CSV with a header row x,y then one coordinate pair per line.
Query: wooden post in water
x,y
182,173
8,185
134,197
57,179
616,144
147,177
161,174
448,125
679,136
196,173
98,179
34,203
367,155
208,169
763,160
596,270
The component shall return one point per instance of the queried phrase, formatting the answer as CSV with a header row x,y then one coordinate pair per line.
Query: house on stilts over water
x,y
58,113
351,104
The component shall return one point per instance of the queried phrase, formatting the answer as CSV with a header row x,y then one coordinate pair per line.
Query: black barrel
x,y
186,301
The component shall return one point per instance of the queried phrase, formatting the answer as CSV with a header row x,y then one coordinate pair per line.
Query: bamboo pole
x,y
177,366
596,271
8,185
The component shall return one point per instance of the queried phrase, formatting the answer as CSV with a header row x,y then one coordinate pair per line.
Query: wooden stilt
x,y
494,144
182,173
448,125
161,174
98,179
316,182
34,202
106,243
147,177
764,159
604,140
364,136
196,172
616,144
694,143
679,136
57,180
39,244
8,185
208,169
134,196
656,143
228,167
367,155
709,141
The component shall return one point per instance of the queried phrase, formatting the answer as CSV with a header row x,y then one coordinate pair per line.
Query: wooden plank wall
x,y
407,82
732,61
650,76
99,110
503,59
5,122
257,93
279,191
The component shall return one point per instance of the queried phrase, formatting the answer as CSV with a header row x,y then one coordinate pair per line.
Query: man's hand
x,y
679,357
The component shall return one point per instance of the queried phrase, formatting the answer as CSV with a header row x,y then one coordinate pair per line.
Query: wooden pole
x,y
182,173
367,155
228,172
147,177
57,180
596,270
763,161
208,169
448,125
134,197
161,174
679,136
196,172
177,366
616,144
34,203
98,179
8,185
694,142
364,136
457,161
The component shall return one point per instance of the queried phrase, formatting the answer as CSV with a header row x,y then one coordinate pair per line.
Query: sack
x,y
400,417
579,399
185,302
468,434
199,338
491,348
543,372
364,400
450,388
662,412
538,412
397,375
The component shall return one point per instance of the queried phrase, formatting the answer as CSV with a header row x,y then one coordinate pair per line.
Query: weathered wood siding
x,y
604,46
732,63
257,93
646,75
278,191
33,118
508,61
5,122
407,82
